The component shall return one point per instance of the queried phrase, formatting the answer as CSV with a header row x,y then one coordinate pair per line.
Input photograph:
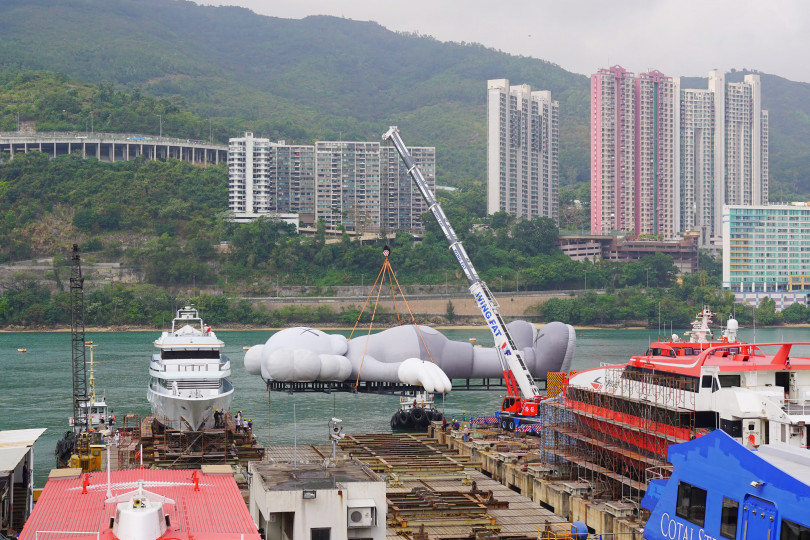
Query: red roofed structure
x,y
146,503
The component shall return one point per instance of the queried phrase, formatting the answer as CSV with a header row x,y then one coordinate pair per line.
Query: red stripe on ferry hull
x,y
652,436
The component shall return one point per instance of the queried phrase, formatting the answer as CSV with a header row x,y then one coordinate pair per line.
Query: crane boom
x,y
80,396
516,374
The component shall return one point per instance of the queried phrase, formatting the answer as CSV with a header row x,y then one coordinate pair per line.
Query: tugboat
x,y
416,412
99,417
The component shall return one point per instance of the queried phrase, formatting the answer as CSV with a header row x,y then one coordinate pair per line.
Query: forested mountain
x,y
298,80
327,78
128,65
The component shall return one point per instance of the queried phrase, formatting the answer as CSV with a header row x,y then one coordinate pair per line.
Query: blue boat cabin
x,y
720,489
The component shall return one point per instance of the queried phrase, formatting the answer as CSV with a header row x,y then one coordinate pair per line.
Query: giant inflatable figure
x,y
399,354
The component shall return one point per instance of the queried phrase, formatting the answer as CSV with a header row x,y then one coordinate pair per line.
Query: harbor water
x,y
36,386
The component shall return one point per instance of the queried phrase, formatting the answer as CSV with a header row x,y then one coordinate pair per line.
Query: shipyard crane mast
x,y
522,393
80,396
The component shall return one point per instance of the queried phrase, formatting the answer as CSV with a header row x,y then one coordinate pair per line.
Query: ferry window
x,y
728,518
706,381
794,531
320,533
728,381
691,503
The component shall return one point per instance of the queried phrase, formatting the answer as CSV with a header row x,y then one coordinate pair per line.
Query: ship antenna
x,y
754,314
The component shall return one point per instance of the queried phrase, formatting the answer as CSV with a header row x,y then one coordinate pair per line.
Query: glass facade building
x,y
766,249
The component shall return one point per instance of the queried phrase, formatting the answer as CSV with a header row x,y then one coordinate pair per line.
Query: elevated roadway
x,y
112,147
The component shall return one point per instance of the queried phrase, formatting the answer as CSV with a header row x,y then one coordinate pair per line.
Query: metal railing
x,y
55,535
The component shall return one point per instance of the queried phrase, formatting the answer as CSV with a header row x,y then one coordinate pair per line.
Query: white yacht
x,y
188,375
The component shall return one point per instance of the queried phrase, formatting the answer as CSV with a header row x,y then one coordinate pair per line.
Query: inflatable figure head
x,y
300,354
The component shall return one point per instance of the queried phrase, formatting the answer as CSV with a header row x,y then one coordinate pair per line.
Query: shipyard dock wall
x,y
509,461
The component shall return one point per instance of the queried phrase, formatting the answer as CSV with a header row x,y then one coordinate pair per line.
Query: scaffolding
x,y
615,437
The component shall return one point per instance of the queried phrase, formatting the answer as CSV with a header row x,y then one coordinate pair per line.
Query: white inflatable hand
x,y
427,374
334,368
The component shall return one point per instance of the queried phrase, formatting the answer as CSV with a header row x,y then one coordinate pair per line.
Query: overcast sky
x,y
678,37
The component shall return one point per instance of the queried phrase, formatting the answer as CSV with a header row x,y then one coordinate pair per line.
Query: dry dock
x,y
470,483
514,461
491,486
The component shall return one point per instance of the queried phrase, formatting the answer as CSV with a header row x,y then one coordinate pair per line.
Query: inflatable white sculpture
x,y
400,354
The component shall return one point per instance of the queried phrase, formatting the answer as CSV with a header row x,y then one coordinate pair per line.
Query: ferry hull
x,y
187,413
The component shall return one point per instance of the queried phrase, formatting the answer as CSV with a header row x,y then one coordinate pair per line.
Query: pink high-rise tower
x,y
633,138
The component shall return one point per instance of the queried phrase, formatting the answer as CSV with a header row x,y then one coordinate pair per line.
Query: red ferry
x,y
680,389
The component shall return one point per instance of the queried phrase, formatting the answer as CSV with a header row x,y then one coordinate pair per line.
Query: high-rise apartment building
x,y
613,151
633,140
361,186
695,208
347,185
523,140
270,178
247,175
402,203
291,172
724,152
664,160
656,167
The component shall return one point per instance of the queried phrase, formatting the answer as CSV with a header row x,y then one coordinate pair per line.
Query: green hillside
x,y
298,80
322,78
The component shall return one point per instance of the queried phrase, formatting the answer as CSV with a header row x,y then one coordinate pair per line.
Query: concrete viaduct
x,y
112,147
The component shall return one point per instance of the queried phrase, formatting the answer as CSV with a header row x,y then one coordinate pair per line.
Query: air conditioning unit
x,y
361,516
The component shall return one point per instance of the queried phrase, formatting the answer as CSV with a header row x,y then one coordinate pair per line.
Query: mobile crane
x,y
523,397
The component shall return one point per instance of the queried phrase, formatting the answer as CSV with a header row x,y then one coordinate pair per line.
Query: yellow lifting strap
x,y
385,271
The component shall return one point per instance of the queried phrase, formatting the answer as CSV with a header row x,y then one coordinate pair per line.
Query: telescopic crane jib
x,y
522,393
